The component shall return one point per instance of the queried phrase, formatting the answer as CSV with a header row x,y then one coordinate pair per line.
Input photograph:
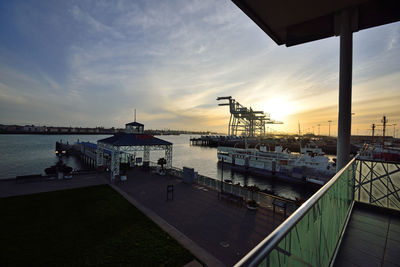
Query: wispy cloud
x,y
170,60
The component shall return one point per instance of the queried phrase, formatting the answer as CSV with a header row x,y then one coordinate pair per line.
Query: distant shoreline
x,y
38,133
41,133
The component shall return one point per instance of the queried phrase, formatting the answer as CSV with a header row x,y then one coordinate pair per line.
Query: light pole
x,y
319,125
329,127
394,130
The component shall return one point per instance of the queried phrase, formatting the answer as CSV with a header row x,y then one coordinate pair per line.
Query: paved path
x,y
225,230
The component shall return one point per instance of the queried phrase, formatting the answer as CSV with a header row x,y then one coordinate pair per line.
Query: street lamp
x,y
329,127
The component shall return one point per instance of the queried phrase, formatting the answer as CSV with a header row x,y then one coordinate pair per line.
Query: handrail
x,y
258,254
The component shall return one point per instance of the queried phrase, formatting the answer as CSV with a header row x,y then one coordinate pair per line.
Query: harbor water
x,y
31,154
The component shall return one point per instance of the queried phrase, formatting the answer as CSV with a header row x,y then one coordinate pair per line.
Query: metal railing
x,y
263,199
311,235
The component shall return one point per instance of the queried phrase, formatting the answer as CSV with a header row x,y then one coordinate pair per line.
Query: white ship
x,y
379,153
311,165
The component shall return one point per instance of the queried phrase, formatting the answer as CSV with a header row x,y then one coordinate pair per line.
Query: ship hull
x,y
281,166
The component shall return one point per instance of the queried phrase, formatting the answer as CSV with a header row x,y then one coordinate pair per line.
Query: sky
x,y
91,63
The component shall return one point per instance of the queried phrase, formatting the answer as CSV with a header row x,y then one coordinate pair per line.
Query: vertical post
x,y
114,162
99,155
329,128
168,156
229,125
345,77
370,179
360,180
112,166
146,153
222,174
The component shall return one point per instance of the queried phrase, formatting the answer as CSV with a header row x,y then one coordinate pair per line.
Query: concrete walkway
x,y
223,229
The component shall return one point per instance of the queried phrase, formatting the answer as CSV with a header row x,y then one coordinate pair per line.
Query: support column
x,y
146,154
114,162
345,79
229,126
112,166
99,155
168,156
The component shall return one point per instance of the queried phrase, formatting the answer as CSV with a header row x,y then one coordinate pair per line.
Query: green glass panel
x,y
312,241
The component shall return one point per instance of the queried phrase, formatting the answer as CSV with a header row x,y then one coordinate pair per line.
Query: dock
x,y
327,144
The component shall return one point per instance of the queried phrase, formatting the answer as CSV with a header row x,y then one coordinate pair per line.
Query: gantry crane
x,y
245,120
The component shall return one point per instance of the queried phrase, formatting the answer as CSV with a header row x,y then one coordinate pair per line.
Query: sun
x,y
279,108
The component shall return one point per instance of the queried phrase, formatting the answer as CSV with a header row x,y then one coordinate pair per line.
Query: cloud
x,y
94,24
170,60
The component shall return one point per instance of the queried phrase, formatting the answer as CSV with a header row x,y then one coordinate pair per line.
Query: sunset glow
x,y
92,63
279,108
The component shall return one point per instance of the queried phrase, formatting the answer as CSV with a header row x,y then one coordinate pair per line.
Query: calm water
x,y
31,154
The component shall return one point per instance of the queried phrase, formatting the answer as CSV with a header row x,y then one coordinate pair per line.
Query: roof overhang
x,y
127,139
294,22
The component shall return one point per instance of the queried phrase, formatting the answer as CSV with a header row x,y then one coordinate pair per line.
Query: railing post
x,y
387,184
354,179
359,181
371,170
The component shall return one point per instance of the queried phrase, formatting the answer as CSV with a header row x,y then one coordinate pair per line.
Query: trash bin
x,y
188,175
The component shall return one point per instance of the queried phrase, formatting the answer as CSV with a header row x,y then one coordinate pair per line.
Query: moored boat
x,y
311,166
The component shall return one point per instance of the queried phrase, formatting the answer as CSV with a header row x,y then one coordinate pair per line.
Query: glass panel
x,y
312,241
378,183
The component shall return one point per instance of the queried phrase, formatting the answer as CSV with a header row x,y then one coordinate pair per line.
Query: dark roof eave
x,y
134,124
124,139
251,14
370,13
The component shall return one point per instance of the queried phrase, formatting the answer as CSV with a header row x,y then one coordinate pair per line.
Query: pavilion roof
x,y
127,139
134,124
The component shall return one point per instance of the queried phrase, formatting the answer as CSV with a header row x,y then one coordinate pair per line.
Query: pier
x,y
327,144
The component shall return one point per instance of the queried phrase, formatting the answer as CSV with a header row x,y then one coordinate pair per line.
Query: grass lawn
x,y
92,226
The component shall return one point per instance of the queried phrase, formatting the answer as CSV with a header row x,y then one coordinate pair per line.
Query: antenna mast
x,y
373,132
384,121
299,128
